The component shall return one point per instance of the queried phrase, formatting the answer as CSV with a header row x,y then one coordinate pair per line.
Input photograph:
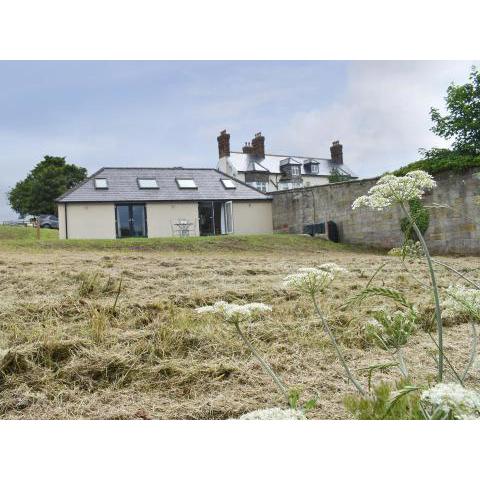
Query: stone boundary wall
x,y
451,230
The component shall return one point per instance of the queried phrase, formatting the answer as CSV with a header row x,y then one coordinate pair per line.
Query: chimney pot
x,y
223,144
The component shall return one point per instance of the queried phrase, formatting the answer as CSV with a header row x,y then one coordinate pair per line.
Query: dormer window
x,y
147,183
101,184
295,170
311,167
228,184
186,183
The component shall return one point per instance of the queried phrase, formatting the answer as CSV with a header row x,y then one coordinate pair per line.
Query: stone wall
x,y
451,230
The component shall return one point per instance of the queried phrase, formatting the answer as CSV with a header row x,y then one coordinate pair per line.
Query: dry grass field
x,y
66,353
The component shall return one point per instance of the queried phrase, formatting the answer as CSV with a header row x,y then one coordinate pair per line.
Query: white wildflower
x,y
332,268
390,190
312,280
462,301
408,250
274,414
391,330
453,401
232,312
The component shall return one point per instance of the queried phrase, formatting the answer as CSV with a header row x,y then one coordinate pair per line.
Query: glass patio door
x,y
131,220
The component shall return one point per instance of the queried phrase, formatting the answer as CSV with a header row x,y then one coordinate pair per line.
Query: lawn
x,y
66,353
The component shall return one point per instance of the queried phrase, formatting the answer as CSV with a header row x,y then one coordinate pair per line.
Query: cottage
x,y
162,202
272,172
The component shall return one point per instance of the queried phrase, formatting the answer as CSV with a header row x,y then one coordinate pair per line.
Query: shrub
x,y
439,160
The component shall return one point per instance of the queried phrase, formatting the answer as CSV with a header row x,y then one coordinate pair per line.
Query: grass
x,y
19,238
66,353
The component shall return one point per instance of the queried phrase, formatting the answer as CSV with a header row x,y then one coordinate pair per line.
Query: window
x,y
147,183
227,183
295,169
262,186
186,183
101,183
228,217
314,167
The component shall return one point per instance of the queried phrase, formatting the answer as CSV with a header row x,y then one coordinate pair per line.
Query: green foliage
x,y
420,216
462,121
439,160
337,176
385,292
391,330
49,179
386,404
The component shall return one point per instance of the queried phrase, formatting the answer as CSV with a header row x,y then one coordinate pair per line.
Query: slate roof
x,y
123,186
244,162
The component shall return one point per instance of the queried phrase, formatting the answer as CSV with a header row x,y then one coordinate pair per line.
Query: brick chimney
x,y
247,148
336,152
223,144
258,144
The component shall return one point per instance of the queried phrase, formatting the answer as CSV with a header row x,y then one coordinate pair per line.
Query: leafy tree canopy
x,y
462,121
49,179
462,124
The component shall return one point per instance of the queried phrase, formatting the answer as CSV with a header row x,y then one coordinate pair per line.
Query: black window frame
x,y
130,204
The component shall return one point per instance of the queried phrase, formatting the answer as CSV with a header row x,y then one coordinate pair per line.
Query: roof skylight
x,y
186,183
227,183
101,183
147,183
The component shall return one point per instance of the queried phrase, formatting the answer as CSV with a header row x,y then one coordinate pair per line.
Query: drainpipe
x,y
66,222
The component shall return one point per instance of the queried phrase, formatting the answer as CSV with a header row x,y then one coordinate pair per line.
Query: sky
x,y
165,113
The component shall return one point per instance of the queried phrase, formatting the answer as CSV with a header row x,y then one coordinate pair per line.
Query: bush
x,y
439,160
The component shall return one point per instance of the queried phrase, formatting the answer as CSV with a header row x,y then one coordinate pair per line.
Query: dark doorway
x,y
215,218
131,220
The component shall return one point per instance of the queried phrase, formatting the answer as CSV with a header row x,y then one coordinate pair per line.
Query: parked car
x,y
48,221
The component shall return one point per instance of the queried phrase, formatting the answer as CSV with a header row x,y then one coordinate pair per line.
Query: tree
x,y
49,179
462,122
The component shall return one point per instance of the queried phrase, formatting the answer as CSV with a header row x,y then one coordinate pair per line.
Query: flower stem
x,y
401,363
263,363
473,350
438,311
337,348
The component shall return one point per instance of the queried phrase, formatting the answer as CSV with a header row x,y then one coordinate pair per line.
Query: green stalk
x,y
448,267
438,311
263,363
337,348
473,350
401,363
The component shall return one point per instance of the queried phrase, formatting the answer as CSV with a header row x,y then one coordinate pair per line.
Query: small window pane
x,y
147,183
227,183
101,183
186,183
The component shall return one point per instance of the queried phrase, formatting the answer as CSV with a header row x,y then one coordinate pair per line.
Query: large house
x,y
272,172
162,202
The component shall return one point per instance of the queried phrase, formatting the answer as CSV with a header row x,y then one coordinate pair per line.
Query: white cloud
x,y
383,117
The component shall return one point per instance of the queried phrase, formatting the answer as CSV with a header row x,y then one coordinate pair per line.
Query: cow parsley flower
x,y
451,400
312,280
462,301
232,312
274,414
391,330
408,250
391,189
